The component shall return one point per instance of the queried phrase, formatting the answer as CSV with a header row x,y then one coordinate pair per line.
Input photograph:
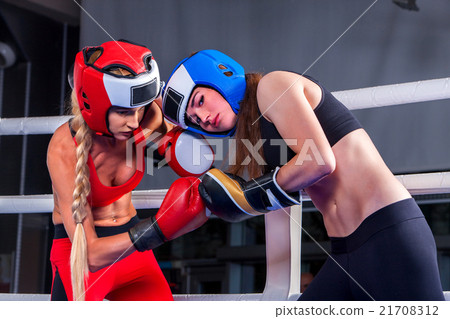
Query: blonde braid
x,y
78,254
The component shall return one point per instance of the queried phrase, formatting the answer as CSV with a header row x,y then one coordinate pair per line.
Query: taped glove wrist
x,y
265,194
146,235
234,199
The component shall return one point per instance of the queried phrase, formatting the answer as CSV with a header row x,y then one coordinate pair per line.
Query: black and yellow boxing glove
x,y
233,199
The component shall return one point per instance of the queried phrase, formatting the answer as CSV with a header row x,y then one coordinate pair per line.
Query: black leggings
x,y
390,256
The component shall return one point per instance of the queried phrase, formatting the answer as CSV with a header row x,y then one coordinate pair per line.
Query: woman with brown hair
x,y
115,103
292,134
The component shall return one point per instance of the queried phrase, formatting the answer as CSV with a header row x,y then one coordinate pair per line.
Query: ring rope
x,y
396,94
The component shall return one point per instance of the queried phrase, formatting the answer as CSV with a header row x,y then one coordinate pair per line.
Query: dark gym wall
x,y
34,86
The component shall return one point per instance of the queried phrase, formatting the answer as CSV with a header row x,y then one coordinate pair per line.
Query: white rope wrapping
x,y
44,203
377,96
423,184
31,125
395,94
417,184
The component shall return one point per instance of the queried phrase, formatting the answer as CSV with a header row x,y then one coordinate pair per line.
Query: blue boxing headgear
x,y
209,68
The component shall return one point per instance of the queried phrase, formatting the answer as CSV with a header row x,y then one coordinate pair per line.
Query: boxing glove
x,y
181,211
233,199
187,153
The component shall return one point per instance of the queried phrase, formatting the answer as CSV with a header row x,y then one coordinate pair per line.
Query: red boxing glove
x,y
166,141
187,153
181,211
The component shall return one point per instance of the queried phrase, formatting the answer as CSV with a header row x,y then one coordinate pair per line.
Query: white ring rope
x,y
44,203
31,125
417,184
377,96
425,184
396,94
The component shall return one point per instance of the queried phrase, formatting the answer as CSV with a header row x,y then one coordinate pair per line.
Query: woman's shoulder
x,y
281,83
283,77
283,87
61,145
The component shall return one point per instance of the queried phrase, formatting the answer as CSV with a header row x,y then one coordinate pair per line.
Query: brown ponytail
x,y
248,128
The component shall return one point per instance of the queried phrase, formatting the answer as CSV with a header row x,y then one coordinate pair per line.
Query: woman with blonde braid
x,y
115,101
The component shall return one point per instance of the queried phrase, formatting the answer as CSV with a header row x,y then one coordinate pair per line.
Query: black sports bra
x,y
336,121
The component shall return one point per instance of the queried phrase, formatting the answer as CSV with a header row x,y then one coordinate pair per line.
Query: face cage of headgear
x,y
98,88
209,68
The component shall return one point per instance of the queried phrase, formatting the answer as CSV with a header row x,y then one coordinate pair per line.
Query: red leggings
x,y
136,277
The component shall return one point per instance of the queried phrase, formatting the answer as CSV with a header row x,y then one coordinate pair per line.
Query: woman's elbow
x,y
328,165
94,268
94,263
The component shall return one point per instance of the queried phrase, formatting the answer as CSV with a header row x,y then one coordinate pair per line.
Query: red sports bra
x,y
102,195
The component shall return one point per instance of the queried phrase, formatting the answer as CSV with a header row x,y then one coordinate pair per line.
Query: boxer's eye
x,y
194,119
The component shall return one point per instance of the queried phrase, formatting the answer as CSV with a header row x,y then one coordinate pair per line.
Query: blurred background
x,y
375,43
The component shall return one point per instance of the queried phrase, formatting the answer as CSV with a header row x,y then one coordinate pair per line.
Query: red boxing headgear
x,y
97,88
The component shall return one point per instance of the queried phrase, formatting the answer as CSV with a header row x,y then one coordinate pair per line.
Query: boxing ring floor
x,y
283,253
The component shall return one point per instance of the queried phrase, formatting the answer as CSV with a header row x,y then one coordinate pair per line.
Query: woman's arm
x,y
287,100
61,161
155,122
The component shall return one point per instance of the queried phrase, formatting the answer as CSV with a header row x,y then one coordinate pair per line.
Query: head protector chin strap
x,y
98,88
208,68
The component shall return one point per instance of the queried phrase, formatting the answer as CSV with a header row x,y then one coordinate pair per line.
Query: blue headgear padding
x,y
209,68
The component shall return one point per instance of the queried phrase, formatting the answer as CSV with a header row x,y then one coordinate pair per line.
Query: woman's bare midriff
x,y
115,214
360,185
